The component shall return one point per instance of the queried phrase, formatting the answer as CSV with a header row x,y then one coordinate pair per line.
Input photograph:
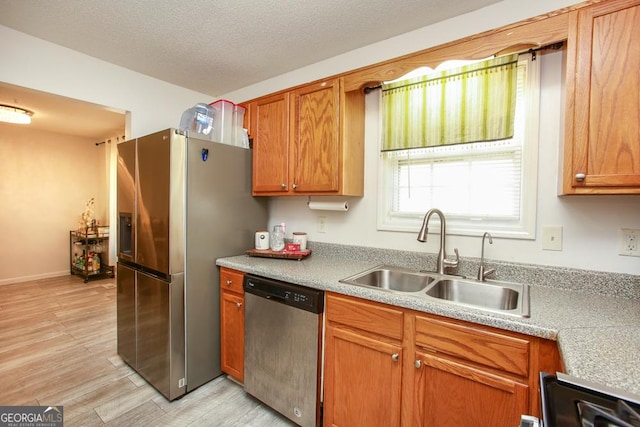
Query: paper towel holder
x,y
341,206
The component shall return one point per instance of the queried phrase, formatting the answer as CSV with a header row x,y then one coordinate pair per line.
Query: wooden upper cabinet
x,y
308,141
602,141
315,135
269,128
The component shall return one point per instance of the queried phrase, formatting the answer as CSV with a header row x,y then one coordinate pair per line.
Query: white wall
x,y
590,223
46,181
153,105
35,240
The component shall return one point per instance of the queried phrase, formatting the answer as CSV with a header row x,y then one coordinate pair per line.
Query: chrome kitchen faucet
x,y
442,261
482,274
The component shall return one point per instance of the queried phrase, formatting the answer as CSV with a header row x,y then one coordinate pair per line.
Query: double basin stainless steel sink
x,y
494,296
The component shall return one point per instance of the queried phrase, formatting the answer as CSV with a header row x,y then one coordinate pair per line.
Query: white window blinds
x,y
473,182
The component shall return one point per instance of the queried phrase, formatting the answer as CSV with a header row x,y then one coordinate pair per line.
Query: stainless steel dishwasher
x,y
283,330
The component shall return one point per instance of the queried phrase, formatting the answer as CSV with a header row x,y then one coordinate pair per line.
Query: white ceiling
x,y
54,113
215,47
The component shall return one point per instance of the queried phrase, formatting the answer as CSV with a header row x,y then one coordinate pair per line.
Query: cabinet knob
x,y
580,177
229,282
283,185
395,357
417,364
239,304
294,186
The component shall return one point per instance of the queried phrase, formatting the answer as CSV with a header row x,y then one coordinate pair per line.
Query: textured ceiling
x,y
218,46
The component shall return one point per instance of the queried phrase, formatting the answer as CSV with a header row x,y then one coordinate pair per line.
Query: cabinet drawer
x,y
367,316
231,280
476,344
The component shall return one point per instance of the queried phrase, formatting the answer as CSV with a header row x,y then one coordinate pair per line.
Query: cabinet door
x,y
450,394
602,152
316,152
270,121
362,380
232,334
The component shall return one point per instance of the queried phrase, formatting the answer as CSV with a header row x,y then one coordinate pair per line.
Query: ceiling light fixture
x,y
16,115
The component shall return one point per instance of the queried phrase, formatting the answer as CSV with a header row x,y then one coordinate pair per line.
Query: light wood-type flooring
x,y
58,347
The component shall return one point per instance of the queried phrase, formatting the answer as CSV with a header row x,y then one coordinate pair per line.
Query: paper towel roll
x,y
329,206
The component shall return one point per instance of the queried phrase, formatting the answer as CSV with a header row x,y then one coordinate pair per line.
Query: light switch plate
x,y
322,224
552,238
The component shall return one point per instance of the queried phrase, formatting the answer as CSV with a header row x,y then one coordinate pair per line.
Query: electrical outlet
x,y
322,224
552,238
629,242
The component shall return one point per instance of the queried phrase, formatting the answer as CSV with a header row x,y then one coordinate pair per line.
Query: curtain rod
x,y
108,141
553,46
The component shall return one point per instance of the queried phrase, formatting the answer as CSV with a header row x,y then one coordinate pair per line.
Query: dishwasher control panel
x,y
308,299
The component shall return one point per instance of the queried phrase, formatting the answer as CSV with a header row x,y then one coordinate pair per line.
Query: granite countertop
x,y
598,335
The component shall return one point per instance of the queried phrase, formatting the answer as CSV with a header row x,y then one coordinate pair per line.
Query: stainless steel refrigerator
x,y
182,203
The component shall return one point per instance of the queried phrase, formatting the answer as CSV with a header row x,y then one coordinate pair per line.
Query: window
x,y
480,186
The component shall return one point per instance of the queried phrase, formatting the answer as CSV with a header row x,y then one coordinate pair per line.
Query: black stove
x,y
572,402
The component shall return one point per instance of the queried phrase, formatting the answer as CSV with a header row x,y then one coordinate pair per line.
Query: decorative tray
x,y
268,253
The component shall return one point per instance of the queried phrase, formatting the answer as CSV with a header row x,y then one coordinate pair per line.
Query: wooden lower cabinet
x,y
388,366
232,323
466,374
363,363
362,380
449,393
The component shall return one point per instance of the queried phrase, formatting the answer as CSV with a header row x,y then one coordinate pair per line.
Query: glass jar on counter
x,y
277,238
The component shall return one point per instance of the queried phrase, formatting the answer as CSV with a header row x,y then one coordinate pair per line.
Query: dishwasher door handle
x,y
274,297
265,295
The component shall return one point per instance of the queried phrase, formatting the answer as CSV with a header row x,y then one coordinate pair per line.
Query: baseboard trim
x,y
49,275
